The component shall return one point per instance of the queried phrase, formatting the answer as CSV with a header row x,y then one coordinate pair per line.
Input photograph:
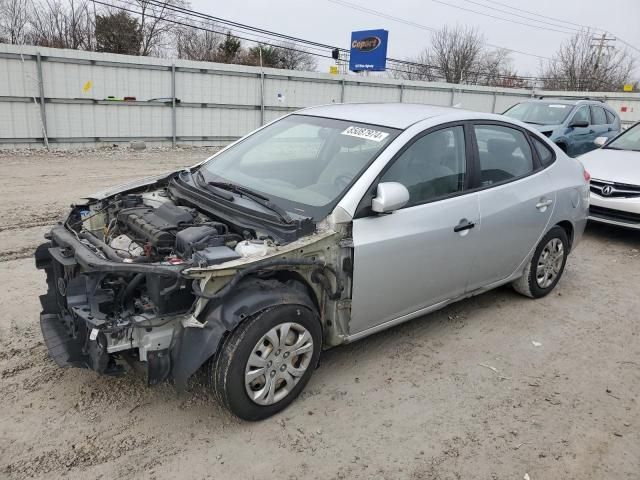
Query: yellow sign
x,y
628,88
333,69
87,86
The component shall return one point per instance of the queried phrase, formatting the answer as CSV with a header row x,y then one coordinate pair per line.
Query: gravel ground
x,y
463,393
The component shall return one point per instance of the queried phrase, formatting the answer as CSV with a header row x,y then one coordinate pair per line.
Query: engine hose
x,y
268,264
109,252
129,289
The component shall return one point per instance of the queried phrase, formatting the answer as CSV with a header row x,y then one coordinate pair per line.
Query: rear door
x,y
515,197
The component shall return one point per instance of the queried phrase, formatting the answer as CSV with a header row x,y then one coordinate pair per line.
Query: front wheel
x,y
266,361
546,266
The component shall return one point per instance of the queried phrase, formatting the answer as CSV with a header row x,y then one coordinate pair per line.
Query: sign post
x,y
368,50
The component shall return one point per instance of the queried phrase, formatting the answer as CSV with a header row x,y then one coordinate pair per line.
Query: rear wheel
x,y
266,362
546,266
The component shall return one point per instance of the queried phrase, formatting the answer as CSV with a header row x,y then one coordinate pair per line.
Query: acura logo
x,y
607,190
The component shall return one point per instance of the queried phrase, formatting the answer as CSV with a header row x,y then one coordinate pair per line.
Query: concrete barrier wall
x,y
61,97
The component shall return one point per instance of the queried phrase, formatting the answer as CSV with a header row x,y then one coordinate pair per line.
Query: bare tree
x,y
293,57
62,25
579,65
14,15
494,67
157,24
198,44
285,55
458,55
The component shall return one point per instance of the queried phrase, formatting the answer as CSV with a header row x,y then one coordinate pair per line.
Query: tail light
x,y
587,176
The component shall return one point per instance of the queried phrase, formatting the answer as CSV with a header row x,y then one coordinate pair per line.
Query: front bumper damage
x,y
77,330
79,333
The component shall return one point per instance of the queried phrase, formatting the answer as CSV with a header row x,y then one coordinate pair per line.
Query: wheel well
x,y
285,275
568,228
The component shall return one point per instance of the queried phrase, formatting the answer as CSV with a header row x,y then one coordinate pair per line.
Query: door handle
x,y
543,204
463,225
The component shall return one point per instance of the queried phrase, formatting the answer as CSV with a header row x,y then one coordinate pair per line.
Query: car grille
x,y
617,215
617,190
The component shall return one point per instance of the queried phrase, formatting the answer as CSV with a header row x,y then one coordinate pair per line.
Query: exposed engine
x,y
146,232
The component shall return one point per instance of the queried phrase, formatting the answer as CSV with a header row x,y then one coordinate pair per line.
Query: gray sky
x,y
326,22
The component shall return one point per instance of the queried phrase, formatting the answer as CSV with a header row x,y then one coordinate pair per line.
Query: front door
x,y
421,254
516,201
580,138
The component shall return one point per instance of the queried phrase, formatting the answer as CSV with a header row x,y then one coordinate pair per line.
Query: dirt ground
x,y
463,393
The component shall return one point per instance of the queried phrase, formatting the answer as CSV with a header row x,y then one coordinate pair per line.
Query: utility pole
x,y
602,44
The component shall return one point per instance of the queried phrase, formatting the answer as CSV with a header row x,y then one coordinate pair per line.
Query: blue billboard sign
x,y
368,50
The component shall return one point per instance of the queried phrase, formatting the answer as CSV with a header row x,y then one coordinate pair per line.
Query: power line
x,y
304,41
522,16
500,18
582,26
209,29
423,27
587,27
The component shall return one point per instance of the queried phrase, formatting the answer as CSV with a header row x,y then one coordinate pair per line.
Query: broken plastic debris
x,y
536,344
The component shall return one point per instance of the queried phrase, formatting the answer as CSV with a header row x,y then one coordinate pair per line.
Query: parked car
x,y
573,125
321,228
615,186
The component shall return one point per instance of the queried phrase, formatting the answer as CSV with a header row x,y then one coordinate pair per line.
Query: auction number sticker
x,y
366,133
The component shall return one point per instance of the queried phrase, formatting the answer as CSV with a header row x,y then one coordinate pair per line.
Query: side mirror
x,y
579,124
600,141
390,196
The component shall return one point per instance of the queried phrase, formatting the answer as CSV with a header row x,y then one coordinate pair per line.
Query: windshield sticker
x,y
366,133
557,106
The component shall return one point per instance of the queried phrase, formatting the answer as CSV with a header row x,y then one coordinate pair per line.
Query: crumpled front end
x,y
139,277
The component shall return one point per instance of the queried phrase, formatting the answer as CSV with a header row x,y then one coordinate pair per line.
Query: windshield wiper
x,y
612,148
255,196
202,182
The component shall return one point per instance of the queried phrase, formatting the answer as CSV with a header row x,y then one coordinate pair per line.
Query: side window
x,y
599,117
611,118
544,153
582,115
504,153
433,166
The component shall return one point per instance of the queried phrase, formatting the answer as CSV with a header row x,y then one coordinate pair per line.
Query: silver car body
x,y
396,266
411,262
615,186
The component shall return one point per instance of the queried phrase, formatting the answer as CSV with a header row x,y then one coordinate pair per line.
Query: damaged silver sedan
x,y
318,229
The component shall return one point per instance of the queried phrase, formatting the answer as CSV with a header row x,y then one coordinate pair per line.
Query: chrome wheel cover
x,y
549,263
277,362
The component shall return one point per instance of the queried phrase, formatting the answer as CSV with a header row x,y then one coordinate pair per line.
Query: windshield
x,y
302,164
628,140
540,113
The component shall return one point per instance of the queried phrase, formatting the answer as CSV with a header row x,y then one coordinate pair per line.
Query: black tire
x,y
528,284
226,372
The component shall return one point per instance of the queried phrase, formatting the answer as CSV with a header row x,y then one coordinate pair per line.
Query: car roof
x,y
394,115
566,101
